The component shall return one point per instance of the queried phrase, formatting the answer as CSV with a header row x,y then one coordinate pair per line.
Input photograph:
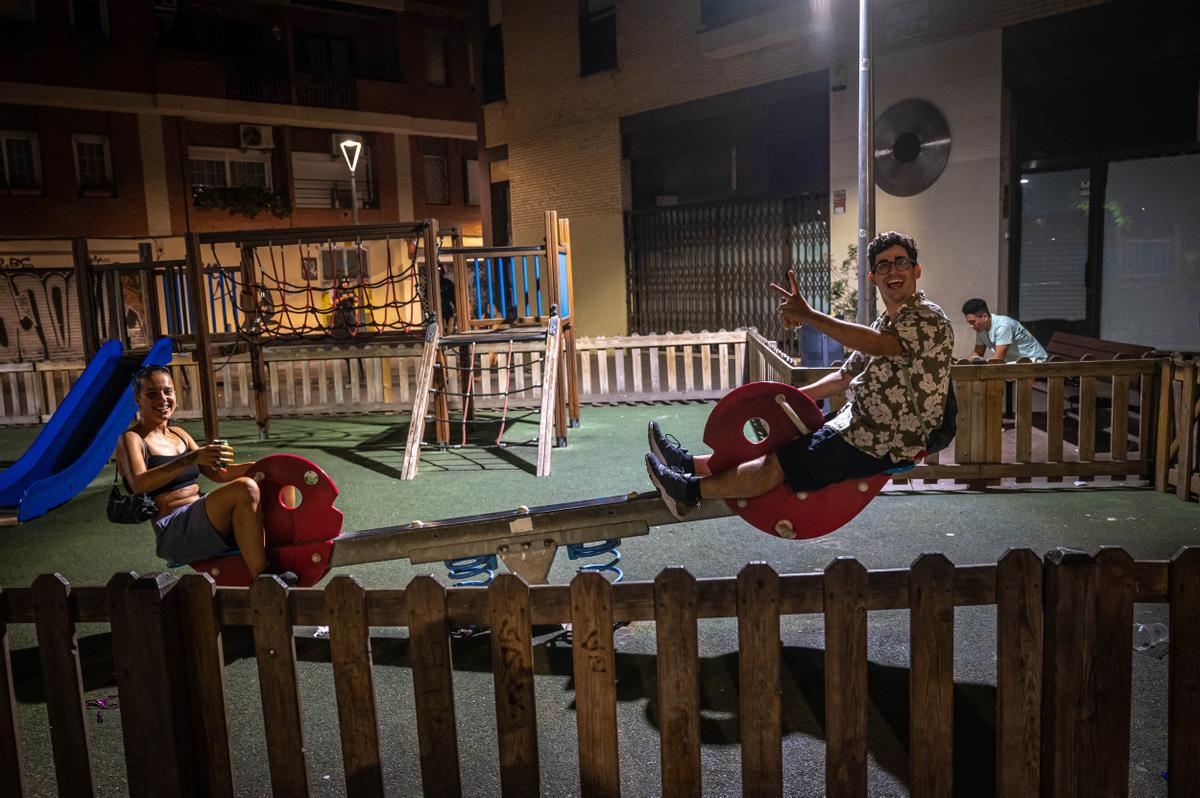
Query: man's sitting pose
x,y
900,366
1004,334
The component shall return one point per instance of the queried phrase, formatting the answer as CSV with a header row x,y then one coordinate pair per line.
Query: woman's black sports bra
x,y
187,477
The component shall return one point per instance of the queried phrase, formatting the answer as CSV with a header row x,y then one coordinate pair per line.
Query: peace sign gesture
x,y
794,309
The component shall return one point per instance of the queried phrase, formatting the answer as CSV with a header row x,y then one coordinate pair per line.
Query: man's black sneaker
x,y
672,486
668,450
289,578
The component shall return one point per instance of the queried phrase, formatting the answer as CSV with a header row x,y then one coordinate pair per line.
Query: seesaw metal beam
x,y
525,537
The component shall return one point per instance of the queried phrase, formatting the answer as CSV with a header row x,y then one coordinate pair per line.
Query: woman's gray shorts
x,y
186,535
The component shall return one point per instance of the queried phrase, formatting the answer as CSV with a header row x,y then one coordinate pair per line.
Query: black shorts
x,y
823,458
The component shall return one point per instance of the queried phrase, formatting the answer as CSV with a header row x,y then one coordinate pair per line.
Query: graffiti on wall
x,y
39,319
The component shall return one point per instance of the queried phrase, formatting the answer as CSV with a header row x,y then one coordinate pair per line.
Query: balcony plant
x,y
246,201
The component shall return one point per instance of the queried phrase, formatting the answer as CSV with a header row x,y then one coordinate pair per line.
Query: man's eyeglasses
x,y
899,265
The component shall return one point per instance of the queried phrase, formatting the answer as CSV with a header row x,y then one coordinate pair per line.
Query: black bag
x,y
134,508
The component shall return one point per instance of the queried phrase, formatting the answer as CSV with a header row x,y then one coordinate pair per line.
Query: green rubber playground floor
x,y
363,455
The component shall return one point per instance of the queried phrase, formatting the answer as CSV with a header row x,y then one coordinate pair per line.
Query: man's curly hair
x,y
891,238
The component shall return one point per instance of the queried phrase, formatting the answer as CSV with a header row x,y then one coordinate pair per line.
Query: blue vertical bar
x,y
169,300
237,323
184,308
512,282
225,300
503,287
564,309
478,289
212,298
488,268
524,279
537,283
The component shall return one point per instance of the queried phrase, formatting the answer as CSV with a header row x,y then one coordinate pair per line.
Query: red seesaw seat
x,y
787,412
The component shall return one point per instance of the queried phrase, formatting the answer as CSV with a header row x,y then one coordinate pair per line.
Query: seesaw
x,y
304,528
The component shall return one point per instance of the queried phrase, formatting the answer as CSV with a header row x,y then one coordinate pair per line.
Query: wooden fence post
x,y
846,702
1069,688
760,713
433,686
258,365
1113,669
1187,431
275,651
350,652
931,676
12,761
82,262
1183,713
58,649
198,310
595,672
1018,674
151,680
1162,435
678,681
512,671
204,656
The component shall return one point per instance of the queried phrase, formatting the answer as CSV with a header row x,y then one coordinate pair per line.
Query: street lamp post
x,y
351,149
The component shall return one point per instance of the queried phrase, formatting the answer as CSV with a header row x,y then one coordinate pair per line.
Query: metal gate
x,y
707,266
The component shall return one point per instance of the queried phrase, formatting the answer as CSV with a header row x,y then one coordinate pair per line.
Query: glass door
x,y
1053,289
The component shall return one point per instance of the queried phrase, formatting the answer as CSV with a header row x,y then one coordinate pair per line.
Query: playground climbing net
x,y
348,307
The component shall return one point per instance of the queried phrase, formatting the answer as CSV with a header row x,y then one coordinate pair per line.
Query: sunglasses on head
x,y
148,369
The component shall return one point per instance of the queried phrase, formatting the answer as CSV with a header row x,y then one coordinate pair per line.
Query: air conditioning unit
x,y
256,137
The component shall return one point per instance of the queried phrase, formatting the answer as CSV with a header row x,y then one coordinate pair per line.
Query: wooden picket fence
x,y
1178,449
1063,664
377,379
1098,418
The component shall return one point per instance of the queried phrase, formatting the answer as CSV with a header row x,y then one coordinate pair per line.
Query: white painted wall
x,y
956,222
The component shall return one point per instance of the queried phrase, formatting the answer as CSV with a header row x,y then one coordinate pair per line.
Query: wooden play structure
x,y
1063,664
511,302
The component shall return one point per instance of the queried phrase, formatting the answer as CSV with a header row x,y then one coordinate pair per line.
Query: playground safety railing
x,y
1063,675
1178,462
1110,433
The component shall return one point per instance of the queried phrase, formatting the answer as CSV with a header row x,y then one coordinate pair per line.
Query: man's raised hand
x,y
794,309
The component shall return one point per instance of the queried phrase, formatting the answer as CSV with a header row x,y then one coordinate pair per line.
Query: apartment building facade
x,y
133,123
689,112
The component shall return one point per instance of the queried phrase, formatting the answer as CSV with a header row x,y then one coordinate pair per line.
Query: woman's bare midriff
x,y
173,500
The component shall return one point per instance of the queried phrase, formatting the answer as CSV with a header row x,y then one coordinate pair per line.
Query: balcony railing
x,y
326,91
272,84
317,193
258,83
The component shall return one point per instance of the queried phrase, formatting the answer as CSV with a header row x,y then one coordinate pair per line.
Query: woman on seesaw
x,y
164,462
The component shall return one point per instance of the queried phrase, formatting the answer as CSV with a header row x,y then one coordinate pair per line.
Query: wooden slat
x,y
1183,701
59,653
205,658
275,650
637,369
1146,403
289,385
963,450
1087,418
1162,436
931,677
1069,698
512,671
151,681
672,366
433,686
689,367
994,398
1024,408
846,699
305,383
1113,670
758,681
350,652
602,370
585,371
1018,673
1054,419
655,384
12,760
675,612
1186,430
595,674
416,424
1119,428
549,402
723,366
706,366
619,369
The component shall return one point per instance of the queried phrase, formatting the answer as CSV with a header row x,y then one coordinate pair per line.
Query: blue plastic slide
x,y
80,437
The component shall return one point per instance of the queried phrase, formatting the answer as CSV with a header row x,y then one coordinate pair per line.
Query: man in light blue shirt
x,y
1007,336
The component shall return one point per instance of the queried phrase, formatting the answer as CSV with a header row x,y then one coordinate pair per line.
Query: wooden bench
x,y
1065,346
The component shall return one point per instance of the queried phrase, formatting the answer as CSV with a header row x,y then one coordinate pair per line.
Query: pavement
x,y
363,455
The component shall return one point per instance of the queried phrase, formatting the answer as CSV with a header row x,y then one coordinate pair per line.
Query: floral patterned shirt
x,y
879,418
